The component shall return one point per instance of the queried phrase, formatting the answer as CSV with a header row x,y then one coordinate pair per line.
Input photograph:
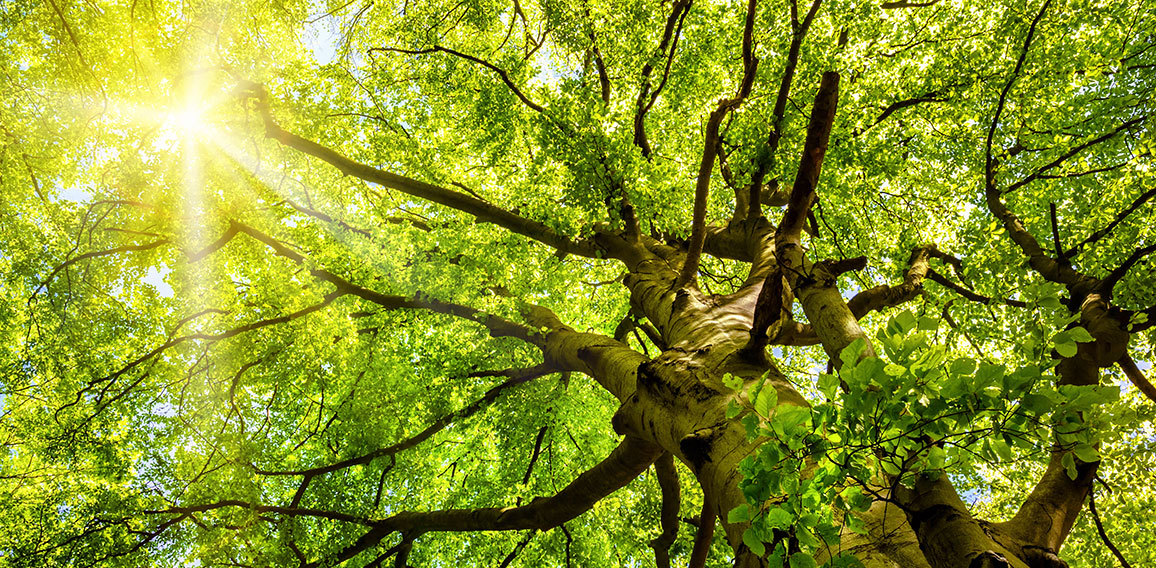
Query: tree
x,y
550,283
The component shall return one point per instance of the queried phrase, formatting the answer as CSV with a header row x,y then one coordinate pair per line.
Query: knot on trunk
x,y
1042,557
989,559
697,445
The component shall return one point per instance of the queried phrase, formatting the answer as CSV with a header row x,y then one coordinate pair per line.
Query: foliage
x,y
221,344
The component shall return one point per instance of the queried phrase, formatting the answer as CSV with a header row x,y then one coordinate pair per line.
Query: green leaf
x,y
889,467
803,560
733,409
868,371
1080,335
789,419
1087,453
1002,449
778,518
766,401
928,324
855,498
1066,350
828,385
850,354
740,514
1069,464
752,541
856,525
954,387
936,457
964,366
806,537
905,321
732,382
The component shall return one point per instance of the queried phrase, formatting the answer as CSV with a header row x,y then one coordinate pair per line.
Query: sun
x,y
187,120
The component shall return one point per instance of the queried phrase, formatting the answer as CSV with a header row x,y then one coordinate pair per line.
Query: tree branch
x,y
710,151
603,77
534,455
498,326
816,285
1048,267
1100,530
95,254
667,476
1109,282
517,377
932,97
517,549
814,149
766,158
646,98
907,4
259,508
772,306
704,535
689,273
483,211
881,297
111,379
1072,152
1123,214
626,462
501,72
1134,374
1055,230
968,294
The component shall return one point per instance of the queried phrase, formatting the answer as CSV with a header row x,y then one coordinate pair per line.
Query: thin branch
x,y
1137,377
1049,268
1100,530
501,72
814,149
769,309
534,456
763,163
518,376
517,549
907,4
599,63
652,334
968,294
1109,282
417,224
667,476
689,273
710,152
95,254
626,462
1123,214
498,326
989,159
1072,152
932,97
646,97
110,380
259,508
704,535
483,211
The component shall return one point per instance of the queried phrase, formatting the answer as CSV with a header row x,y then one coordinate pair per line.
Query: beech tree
x,y
553,283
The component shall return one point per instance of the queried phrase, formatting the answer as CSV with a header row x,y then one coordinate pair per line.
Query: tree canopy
x,y
540,283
